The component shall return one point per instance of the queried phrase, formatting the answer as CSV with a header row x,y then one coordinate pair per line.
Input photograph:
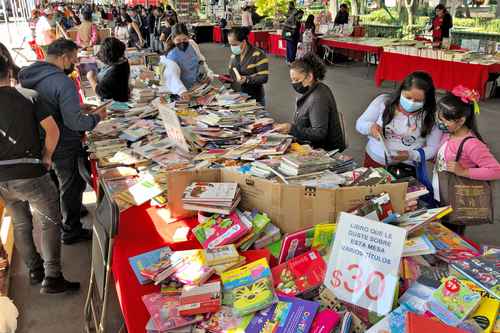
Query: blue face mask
x,y
408,105
236,49
442,126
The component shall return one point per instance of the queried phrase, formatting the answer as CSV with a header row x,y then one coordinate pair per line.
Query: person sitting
x,y
316,121
184,63
342,16
251,64
403,122
86,35
112,82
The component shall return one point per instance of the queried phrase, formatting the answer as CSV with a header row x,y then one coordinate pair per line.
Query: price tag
x,y
364,262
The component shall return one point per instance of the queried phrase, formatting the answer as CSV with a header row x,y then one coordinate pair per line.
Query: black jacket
x,y
114,84
446,25
341,18
316,119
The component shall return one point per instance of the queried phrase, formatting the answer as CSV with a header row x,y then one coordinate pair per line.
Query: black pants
x,y
291,50
71,188
225,33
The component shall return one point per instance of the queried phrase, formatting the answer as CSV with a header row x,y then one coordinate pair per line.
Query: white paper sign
x,y
173,126
364,262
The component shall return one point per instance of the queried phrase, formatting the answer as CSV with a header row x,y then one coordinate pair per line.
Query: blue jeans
x,y
42,196
291,50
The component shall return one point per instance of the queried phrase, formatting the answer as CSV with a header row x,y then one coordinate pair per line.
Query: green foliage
x,y
380,16
272,8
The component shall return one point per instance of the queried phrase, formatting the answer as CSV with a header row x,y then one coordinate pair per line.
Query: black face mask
x,y
182,46
299,87
69,70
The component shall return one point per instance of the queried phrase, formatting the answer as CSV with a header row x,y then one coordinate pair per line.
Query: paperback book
x,y
198,300
219,230
141,261
295,244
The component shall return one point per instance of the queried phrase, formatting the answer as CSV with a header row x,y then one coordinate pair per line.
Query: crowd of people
x,y
42,130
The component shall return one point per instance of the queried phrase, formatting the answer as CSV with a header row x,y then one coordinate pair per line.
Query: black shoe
x,y
52,285
36,276
84,235
83,212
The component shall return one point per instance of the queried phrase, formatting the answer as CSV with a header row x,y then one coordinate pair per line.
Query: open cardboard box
x,y
290,207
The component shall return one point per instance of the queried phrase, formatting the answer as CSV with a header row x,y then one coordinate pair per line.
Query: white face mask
x,y
408,105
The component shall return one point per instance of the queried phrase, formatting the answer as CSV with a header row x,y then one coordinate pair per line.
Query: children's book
x,y
225,321
270,235
325,321
300,274
296,243
249,288
418,324
414,221
453,301
483,271
212,193
486,314
220,230
221,255
219,269
164,312
418,246
289,315
198,300
443,238
192,269
259,223
141,261
323,237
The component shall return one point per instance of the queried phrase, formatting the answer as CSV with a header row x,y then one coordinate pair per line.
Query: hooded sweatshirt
x,y
60,92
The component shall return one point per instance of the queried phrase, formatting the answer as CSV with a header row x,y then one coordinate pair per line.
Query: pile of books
x,y
142,97
219,198
296,164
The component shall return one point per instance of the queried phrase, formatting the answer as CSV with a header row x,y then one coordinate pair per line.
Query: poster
x,y
173,126
364,262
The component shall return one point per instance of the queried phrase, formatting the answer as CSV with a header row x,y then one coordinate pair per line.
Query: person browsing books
x,y
249,66
316,119
400,123
184,63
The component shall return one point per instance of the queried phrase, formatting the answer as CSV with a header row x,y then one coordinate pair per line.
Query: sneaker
x,y
84,235
58,285
36,276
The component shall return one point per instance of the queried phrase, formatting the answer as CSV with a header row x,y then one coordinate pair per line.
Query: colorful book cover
x,y
289,315
486,314
225,321
249,288
453,301
141,261
192,269
325,321
259,222
414,221
210,192
220,230
270,235
300,274
418,246
482,270
296,243
221,255
198,300
323,237
443,238
418,324
219,269
164,312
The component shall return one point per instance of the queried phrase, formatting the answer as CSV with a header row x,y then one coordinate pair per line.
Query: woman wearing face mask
x,y
316,121
404,121
250,62
184,63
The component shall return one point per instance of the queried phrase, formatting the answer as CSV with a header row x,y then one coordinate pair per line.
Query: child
x,y
457,119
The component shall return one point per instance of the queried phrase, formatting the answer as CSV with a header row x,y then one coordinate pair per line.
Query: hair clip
x,y
467,96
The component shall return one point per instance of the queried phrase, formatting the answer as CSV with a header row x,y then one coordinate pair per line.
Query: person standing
x,y
158,16
308,38
441,25
44,32
246,17
86,35
342,16
25,185
50,79
251,64
291,33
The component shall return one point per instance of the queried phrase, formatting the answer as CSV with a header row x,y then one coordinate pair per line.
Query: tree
x,y
271,8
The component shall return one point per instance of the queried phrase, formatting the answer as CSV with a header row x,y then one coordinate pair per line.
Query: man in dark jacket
x,y
342,16
50,79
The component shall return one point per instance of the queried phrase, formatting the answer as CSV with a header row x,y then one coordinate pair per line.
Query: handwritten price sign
x,y
364,262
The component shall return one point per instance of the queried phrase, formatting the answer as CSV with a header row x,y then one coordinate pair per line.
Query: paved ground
x,y
353,88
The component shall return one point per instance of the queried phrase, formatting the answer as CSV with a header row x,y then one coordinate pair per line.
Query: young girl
x,y
456,118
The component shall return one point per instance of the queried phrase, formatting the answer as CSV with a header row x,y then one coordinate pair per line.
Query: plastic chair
x,y
104,230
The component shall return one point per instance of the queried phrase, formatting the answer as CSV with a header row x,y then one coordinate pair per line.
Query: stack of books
x,y
142,97
295,164
218,198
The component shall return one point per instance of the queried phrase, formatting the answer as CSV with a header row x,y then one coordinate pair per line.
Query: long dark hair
x,y
178,29
422,81
310,23
452,108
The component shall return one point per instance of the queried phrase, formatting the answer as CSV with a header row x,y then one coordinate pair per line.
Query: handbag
x,y
471,200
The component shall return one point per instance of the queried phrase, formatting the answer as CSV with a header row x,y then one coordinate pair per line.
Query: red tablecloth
x,y
277,45
142,229
259,39
218,34
445,74
351,46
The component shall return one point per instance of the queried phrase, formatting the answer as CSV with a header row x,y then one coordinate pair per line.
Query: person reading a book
x,y
112,82
184,64
249,66
456,118
316,121
398,124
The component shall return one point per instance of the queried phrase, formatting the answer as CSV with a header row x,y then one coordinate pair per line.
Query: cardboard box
x,y
290,207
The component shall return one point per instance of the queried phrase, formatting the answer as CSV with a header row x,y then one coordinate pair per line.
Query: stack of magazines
x,y
218,198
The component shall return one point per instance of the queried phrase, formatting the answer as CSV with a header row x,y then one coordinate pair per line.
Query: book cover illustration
x,y
418,246
198,300
323,237
210,192
192,268
413,221
221,255
296,243
453,301
249,288
486,314
219,230
300,275
141,261
225,321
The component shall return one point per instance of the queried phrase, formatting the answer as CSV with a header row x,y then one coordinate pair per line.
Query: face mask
x,y
442,126
182,46
409,105
236,49
299,87
69,70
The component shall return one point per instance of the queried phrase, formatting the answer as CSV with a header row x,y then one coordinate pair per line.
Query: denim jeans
x,y
291,50
71,188
42,196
